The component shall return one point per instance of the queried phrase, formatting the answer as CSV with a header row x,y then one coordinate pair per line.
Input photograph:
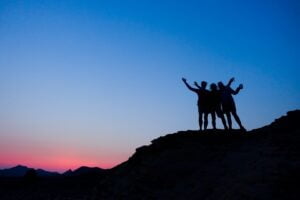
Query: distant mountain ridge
x,y
20,171
85,171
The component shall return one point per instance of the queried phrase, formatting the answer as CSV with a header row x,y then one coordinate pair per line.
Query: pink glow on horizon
x,y
52,155
59,164
61,167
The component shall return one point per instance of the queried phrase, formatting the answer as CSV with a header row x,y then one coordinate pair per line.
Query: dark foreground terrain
x,y
260,164
215,165
76,184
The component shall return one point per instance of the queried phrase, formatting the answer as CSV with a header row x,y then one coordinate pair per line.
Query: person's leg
x,y
237,119
220,114
228,116
223,121
205,120
200,120
213,120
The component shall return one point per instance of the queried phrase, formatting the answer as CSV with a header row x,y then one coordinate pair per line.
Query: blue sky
x,y
96,79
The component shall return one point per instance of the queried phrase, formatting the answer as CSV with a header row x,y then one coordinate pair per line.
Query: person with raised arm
x,y
214,105
228,104
202,93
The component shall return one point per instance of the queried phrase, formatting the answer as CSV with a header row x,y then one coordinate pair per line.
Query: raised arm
x,y
230,81
197,85
188,86
237,90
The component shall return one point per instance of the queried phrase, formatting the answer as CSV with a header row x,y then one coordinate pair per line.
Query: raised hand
x,y
241,86
184,79
230,81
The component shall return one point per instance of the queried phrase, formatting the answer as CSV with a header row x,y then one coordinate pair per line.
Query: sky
x,y
86,82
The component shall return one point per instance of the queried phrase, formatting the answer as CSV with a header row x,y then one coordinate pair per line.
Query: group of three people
x,y
216,101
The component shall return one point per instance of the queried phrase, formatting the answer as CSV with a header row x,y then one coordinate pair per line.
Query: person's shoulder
x,y
228,88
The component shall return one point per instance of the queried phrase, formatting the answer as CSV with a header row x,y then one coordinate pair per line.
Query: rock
x,y
213,164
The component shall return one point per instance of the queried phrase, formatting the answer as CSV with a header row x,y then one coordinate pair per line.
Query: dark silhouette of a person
x,y
228,104
214,105
202,93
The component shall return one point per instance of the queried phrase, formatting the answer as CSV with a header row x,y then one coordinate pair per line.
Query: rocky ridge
x,y
214,164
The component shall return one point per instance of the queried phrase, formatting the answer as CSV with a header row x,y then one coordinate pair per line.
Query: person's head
x,y
213,87
221,85
203,84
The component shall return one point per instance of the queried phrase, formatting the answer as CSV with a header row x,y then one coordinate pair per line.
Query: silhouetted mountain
x,y
41,172
85,171
16,171
68,172
20,171
215,164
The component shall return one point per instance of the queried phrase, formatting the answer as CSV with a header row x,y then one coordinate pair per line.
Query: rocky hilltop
x,y
260,164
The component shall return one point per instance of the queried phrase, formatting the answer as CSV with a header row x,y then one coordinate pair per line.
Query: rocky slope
x,y
260,164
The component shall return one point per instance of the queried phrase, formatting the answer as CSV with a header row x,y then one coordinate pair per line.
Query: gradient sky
x,y
86,82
